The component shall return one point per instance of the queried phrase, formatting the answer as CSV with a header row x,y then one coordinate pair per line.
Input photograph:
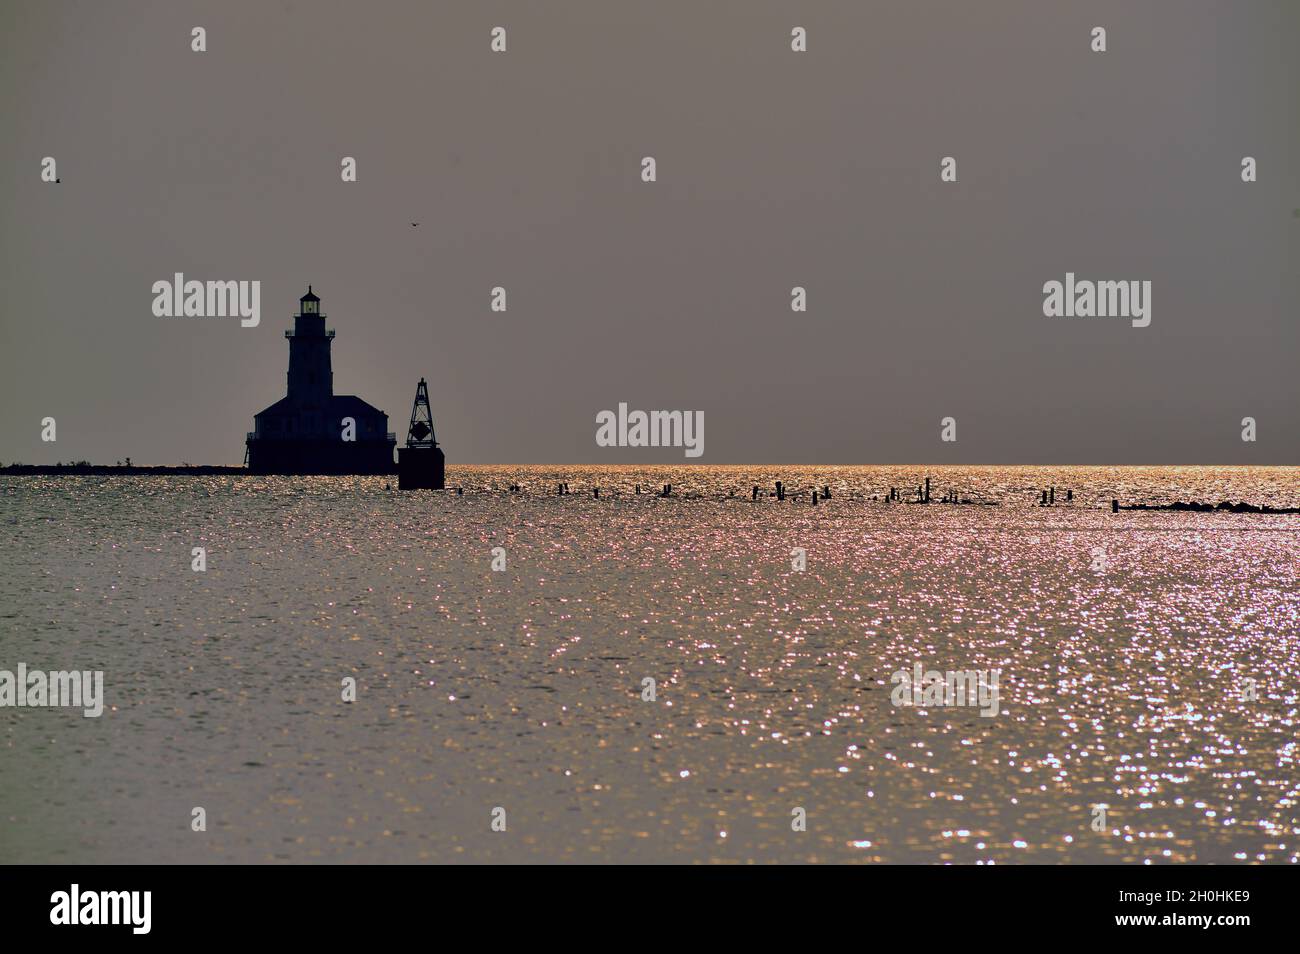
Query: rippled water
x,y
522,689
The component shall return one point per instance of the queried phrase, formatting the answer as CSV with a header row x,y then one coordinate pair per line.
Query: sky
x,y
775,169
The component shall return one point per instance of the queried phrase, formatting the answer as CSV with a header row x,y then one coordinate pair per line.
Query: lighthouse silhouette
x,y
312,430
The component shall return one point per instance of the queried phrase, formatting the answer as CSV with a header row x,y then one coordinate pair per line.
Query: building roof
x,y
344,405
353,404
309,296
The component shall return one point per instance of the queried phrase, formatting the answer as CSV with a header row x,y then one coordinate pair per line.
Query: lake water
x,y
1125,644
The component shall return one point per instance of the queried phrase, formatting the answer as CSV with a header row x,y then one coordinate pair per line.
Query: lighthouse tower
x,y
311,379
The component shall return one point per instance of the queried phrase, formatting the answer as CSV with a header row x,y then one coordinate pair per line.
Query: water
x,y
522,689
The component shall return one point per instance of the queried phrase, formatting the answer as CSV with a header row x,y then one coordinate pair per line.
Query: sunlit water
x,y
1120,687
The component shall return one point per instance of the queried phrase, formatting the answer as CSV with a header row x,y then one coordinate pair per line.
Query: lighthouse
x,y
311,376
312,430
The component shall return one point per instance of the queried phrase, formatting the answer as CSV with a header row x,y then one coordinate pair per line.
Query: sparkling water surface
x,y
521,689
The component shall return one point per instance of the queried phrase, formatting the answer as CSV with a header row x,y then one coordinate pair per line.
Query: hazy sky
x,y
775,169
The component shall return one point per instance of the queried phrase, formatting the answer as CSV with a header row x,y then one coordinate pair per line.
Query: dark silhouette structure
x,y
1225,506
421,463
312,430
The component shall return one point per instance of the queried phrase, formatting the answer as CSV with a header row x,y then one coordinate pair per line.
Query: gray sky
x,y
775,169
